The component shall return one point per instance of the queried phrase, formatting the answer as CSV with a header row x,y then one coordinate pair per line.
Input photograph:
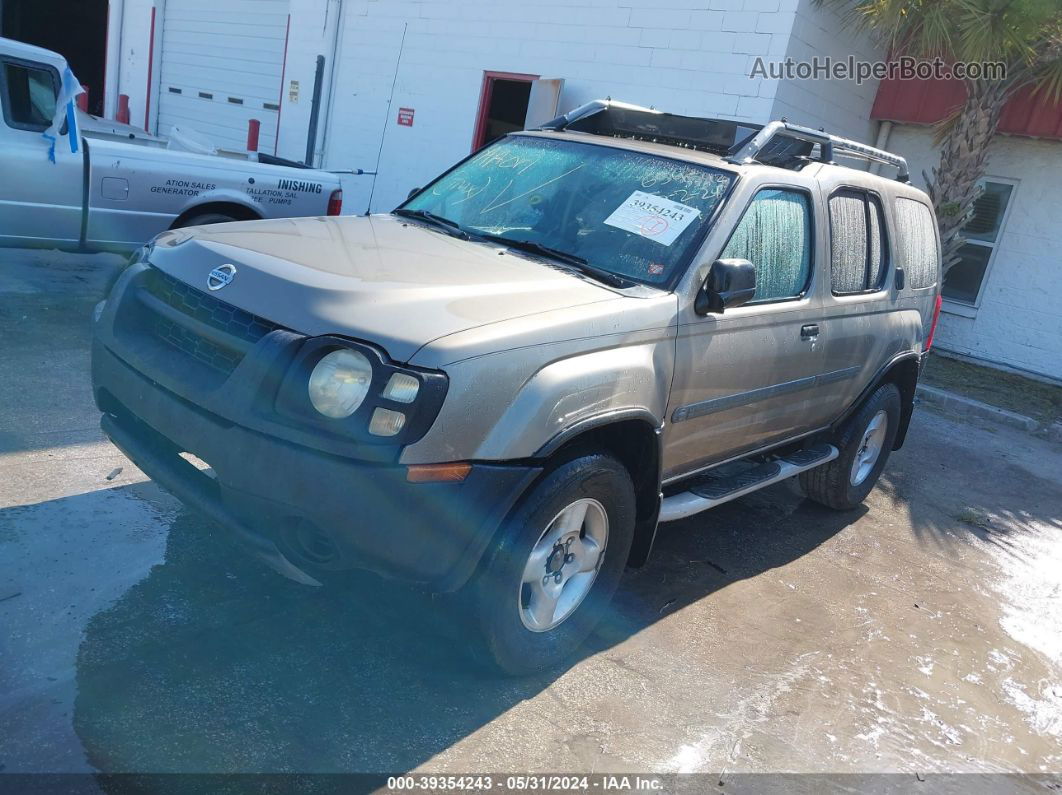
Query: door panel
x,y
543,102
741,383
40,201
858,303
749,376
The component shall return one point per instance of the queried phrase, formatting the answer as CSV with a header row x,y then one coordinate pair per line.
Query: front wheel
x,y
864,443
547,580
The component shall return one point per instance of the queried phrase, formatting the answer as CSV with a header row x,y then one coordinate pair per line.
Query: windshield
x,y
628,213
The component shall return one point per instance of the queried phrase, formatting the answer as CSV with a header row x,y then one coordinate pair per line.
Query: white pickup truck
x,y
109,186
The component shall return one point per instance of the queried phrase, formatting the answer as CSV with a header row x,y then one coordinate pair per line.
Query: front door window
x,y
775,236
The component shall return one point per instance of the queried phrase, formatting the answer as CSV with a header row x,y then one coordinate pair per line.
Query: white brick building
x,y
1009,309
407,87
431,56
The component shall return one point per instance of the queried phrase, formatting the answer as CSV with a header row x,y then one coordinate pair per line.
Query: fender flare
x,y
596,421
906,395
647,483
221,196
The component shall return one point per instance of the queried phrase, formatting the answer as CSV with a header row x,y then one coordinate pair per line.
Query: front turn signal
x,y
452,472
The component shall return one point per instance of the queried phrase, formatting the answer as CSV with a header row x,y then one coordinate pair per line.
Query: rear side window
x,y
858,249
775,236
29,96
917,238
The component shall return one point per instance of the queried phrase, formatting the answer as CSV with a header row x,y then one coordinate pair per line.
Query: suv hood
x,y
381,279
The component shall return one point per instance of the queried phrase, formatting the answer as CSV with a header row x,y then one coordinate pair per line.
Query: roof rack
x,y
778,143
751,150
623,120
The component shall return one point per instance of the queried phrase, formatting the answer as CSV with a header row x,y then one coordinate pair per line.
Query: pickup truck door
x,y
40,201
747,377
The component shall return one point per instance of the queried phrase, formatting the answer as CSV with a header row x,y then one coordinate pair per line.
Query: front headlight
x,y
345,391
339,383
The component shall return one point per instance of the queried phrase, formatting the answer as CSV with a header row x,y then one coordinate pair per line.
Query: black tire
x,y
831,484
493,598
204,219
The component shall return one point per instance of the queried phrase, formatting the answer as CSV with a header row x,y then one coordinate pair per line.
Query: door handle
x,y
809,332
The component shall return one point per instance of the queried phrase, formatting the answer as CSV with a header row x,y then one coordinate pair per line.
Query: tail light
x,y
933,325
335,202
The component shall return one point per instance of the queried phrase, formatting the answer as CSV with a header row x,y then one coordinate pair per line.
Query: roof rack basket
x,y
829,145
778,143
623,120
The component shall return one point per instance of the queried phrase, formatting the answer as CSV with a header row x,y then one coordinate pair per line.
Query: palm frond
x,y
1046,72
987,31
889,21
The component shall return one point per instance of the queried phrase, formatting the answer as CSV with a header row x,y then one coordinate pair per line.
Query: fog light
x,y
386,422
402,388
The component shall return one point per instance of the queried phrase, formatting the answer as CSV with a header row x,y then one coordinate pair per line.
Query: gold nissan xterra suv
x,y
499,389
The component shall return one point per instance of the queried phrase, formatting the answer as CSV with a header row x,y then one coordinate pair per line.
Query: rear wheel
x,y
864,442
547,580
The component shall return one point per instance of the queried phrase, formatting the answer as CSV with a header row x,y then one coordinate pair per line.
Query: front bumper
x,y
305,512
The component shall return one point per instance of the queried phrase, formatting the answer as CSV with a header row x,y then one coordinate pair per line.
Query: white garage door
x,y
221,66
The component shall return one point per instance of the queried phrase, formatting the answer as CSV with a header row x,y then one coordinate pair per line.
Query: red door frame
x,y
479,132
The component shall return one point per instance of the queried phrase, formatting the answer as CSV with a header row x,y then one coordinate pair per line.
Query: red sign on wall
x,y
405,117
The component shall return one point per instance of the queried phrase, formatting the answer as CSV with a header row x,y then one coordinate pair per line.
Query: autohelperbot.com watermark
x,y
905,67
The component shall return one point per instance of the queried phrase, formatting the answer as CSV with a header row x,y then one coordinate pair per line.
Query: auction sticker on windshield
x,y
653,217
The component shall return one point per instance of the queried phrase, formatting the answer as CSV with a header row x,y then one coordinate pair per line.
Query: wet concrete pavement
x,y
922,633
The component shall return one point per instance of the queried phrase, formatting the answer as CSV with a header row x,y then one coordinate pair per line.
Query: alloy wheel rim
x,y
870,447
563,565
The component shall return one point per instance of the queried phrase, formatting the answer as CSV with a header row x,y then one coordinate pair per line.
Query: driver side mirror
x,y
730,283
412,193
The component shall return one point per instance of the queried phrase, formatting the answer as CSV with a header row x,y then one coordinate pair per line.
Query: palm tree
x,y
1024,35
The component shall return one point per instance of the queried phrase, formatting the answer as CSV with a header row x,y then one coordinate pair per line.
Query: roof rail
x,y
749,151
778,143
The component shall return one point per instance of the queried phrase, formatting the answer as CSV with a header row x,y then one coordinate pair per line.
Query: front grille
x,y
209,353
243,328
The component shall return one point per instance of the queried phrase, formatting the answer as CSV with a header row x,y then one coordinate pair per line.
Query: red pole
x,y
82,99
253,128
123,109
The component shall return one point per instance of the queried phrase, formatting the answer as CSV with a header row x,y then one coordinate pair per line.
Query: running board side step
x,y
710,492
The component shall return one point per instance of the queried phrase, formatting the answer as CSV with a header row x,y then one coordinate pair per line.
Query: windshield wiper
x,y
574,260
445,224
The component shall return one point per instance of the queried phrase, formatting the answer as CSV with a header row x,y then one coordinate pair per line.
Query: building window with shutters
x,y
965,281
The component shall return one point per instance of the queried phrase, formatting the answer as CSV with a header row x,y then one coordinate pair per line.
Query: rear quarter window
x,y
916,235
858,248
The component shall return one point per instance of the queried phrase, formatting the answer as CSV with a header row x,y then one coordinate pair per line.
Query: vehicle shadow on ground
x,y
214,664
955,504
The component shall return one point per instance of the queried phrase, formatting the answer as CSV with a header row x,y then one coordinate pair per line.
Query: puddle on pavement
x,y
1031,603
